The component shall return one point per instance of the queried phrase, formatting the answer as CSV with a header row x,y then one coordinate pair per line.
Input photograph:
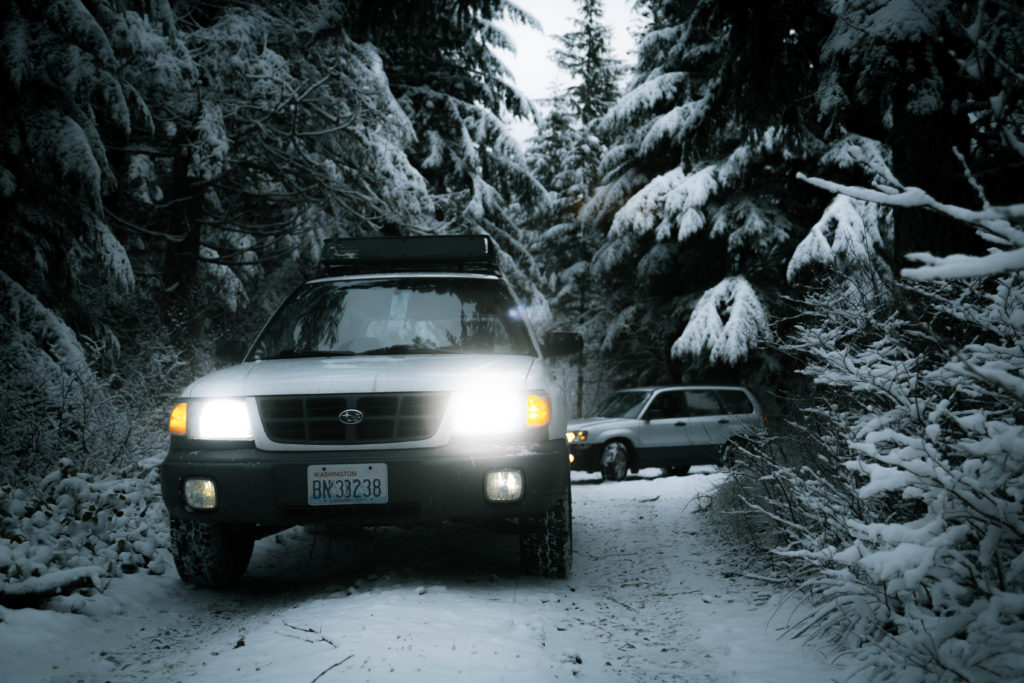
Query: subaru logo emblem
x,y
350,416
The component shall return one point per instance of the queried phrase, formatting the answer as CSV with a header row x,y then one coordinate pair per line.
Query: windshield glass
x,y
621,404
396,316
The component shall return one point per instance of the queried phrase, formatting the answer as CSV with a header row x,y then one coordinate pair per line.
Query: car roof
x,y
405,275
660,387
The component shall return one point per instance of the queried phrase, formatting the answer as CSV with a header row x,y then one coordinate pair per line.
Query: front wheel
x,y
614,461
545,540
209,554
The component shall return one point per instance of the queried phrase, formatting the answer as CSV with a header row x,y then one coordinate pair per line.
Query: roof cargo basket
x,y
461,253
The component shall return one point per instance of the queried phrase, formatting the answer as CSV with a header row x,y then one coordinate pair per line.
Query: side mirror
x,y
654,414
230,351
561,343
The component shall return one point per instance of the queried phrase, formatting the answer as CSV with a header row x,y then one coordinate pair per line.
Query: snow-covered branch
x,y
997,221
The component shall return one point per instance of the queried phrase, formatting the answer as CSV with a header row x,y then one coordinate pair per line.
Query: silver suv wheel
x,y
614,460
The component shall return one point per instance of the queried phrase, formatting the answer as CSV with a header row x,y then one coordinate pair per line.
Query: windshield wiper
x,y
309,353
400,349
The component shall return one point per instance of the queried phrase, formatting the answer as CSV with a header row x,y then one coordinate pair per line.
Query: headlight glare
x,y
497,412
477,412
224,418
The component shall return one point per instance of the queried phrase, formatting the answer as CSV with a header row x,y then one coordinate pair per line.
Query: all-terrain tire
x,y
545,541
209,554
614,461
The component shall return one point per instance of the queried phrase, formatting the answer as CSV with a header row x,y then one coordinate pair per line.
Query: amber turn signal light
x,y
538,411
179,419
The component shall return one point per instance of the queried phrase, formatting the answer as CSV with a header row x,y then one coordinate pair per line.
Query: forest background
x,y
821,200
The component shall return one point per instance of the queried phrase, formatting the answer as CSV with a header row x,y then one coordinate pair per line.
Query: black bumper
x,y
586,458
269,488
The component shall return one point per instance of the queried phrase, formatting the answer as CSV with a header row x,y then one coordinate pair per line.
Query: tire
x,y
614,461
675,471
545,540
208,554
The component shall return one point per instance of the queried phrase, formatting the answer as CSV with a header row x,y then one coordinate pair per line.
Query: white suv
x,y
405,386
668,427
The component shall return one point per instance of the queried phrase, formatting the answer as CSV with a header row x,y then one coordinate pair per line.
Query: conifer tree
x,y
586,55
565,155
697,192
440,61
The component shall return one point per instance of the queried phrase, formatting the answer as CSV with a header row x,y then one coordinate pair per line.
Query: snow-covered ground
x,y
651,598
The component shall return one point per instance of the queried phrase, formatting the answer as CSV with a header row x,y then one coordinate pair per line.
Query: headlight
x,y
476,412
222,418
573,437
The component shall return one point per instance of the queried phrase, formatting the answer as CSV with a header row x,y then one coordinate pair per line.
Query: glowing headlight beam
x,y
225,418
491,412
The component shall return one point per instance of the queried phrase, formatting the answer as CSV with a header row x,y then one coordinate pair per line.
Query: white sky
x,y
536,75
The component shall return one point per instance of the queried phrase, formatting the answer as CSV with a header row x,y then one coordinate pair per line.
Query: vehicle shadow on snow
x,y
646,474
322,558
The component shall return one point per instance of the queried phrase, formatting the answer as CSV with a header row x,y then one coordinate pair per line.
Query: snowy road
x,y
648,600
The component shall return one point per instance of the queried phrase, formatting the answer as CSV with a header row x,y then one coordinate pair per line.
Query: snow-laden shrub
x,y
901,512
896,498
929,579
70,529
96,402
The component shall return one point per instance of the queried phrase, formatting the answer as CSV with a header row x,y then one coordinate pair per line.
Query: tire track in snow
x,y
635,540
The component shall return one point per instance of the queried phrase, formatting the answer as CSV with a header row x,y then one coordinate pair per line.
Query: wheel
x,y
675,471
614,461
209,554
545,540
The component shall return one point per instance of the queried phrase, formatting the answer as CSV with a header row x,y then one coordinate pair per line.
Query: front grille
x,y
387,418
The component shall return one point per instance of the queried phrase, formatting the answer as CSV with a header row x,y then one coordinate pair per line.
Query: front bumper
x,y
585,458
269,488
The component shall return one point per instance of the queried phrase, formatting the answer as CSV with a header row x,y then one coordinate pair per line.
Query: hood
x,y
365,374
581,423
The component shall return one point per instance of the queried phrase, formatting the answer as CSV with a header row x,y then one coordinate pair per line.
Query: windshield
x,y
621,404
396,316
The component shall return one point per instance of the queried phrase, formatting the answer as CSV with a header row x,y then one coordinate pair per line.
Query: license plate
x,y
347,484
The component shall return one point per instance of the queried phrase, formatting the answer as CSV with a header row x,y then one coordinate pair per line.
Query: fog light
x,y
503,486
200,494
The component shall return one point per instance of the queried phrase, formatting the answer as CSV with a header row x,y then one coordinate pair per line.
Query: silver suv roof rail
x,y
447,253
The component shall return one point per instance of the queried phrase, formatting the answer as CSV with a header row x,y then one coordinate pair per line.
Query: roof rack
x,y
460,253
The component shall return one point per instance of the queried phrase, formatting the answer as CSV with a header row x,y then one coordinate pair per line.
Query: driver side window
x,y
667,404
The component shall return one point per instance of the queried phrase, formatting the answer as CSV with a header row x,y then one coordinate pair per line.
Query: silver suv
x,y
668,427
403,387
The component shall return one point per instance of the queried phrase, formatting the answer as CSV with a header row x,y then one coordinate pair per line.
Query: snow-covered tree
x,y
293,136
697,184
442,68
565,157
899,504
586,55
890,73
68,283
